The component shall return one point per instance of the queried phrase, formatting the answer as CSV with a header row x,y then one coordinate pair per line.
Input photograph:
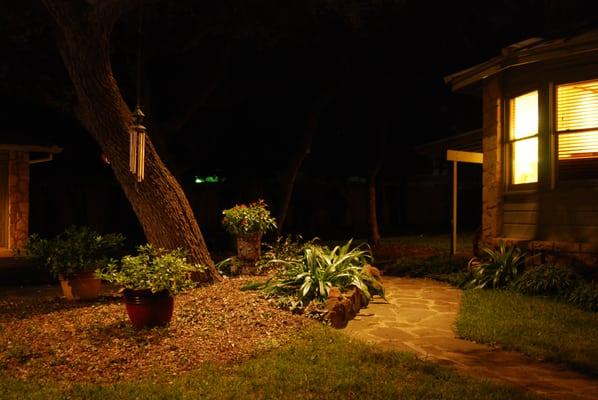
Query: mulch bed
x,y
51,340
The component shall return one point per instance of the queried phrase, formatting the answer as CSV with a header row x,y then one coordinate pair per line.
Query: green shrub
x,y
153,269
585,296
318,269
76,250
547,280
499,269
282,250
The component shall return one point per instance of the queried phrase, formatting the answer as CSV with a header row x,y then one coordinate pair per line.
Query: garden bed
x,y
50,340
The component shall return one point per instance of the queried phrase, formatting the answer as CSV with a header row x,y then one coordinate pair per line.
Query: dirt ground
x,y
46,338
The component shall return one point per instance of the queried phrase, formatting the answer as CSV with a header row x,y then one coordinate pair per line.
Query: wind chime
x,y
137,145
137,131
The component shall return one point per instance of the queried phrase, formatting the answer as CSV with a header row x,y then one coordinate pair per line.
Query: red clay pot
x,y
147,309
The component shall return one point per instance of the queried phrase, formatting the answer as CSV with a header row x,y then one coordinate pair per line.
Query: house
x,y
540,144
17,153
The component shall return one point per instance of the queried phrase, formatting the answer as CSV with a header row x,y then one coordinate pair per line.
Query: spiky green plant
x,y
499,268
317,269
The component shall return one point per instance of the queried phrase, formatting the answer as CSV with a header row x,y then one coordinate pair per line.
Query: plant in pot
x,y
247,224
73,256
150,280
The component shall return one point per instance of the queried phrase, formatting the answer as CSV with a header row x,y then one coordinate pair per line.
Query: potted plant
x,y
150,280
73,256
247,224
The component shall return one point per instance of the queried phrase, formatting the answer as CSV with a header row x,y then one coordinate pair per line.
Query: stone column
x,y
18,199
492,175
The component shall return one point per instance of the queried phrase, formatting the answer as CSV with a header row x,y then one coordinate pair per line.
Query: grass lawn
x,y
537,326
319,364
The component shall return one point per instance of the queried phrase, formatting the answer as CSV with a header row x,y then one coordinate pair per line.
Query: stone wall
x,y
18,198
584,256
492,207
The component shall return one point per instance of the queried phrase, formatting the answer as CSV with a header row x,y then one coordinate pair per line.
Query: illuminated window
x,y
523,138
577,129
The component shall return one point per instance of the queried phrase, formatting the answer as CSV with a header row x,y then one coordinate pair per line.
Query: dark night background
x,y
229,88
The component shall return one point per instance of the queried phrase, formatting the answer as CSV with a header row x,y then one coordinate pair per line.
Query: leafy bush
x,y
310,276
283,250
498,269
76,250
585,296
153,269
547,280
248,219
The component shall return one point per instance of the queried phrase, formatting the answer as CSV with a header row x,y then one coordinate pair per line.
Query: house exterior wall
x,y
492,204
18,203
555,219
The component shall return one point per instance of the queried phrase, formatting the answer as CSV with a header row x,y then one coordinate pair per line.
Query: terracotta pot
x,y
81,286
248,251
147,309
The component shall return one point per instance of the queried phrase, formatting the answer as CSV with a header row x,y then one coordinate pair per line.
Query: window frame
x,y
508,142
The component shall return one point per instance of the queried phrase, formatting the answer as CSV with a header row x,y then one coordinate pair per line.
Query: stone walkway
x,y
419,318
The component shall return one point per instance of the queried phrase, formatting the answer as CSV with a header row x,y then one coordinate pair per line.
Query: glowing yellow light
x,y
525,161
578,145
524,116
524,135
577,106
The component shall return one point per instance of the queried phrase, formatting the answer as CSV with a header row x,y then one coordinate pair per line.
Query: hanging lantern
x,y
137,145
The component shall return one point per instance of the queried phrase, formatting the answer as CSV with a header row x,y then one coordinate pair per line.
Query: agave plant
x,y
499,268
310,276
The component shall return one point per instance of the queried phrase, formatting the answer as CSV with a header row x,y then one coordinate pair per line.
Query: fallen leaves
x,y
45,338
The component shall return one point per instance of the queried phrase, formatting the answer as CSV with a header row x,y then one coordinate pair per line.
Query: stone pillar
x,y
492,175
18,199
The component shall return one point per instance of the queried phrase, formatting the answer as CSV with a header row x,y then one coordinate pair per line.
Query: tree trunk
x,y
372,209
302,151
159,201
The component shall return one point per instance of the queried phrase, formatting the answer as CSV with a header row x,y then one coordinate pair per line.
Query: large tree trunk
x,y
372,202
159,202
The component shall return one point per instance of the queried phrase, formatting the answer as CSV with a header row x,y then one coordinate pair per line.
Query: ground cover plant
x,y
547,280
445,268
538,326
317,364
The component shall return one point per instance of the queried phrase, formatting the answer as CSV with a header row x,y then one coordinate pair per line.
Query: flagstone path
x,y
419,317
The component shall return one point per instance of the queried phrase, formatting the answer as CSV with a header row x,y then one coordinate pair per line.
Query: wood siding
x,y
565,214
520,219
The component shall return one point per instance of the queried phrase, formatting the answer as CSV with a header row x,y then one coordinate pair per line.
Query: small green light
x,y
209,179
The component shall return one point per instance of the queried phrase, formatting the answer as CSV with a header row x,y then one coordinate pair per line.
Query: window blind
x,y
577,106
577,129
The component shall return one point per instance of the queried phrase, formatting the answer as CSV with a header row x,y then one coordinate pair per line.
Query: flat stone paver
x,y
419,317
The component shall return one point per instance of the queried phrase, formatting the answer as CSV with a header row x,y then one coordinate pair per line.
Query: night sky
x,y
228,87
